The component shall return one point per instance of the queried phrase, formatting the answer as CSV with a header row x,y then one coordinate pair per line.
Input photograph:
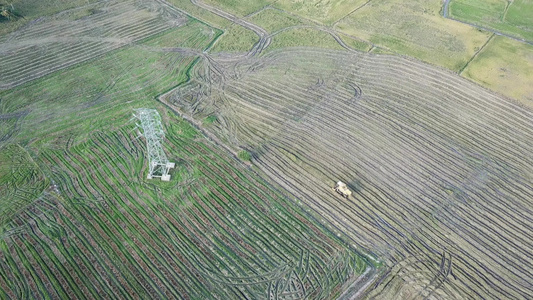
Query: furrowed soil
x,y
55,42
79,219
215,231
441,169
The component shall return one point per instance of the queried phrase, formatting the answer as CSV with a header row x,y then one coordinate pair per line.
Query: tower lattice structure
x,y
152,130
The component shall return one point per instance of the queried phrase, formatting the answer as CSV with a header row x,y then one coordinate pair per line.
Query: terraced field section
x,y
441,168
73,36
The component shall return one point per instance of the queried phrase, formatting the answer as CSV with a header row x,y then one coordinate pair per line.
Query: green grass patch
x,y
273,20
21,181
325,12
29,10
415,29
210,120
307,37
244,155
355,43
511,17
239,7
193,34
379,50
505,65
235,39
201,14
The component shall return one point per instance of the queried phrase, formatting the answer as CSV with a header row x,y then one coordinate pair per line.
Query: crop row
x,y
435,162
116,235
37,50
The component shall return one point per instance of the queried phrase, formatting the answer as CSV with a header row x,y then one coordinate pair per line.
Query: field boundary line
x,y
476,54
356,9
257,11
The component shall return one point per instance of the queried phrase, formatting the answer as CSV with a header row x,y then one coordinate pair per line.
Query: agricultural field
x,y
274,20
110,86
513,17
240,8
77,35
214,231
235,39
323,12
80,219
25,11
416,29
505,65
21,182
303,36
424,109
440,190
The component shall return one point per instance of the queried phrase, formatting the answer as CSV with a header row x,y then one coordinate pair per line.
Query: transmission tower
x,y
154,135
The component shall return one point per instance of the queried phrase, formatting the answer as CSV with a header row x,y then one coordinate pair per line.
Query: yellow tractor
x,y
342,189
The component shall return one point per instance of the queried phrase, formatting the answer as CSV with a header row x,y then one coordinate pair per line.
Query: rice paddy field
x,y
265,105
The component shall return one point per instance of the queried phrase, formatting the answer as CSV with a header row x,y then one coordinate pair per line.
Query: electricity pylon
x,y
154,135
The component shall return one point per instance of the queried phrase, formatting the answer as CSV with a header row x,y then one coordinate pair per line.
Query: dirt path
x,y
264,38
360,284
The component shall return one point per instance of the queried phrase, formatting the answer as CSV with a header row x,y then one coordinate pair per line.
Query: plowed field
x,y
441,168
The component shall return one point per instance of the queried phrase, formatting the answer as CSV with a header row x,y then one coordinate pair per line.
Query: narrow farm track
x,y
441,168
264,38
61,41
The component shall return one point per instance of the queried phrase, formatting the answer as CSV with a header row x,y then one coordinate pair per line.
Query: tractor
x,y
342,189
